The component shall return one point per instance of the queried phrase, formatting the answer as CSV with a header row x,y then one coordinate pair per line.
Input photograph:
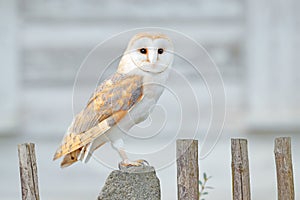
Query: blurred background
x,y
254,43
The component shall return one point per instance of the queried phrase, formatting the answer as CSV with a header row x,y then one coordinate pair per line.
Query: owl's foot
x,y
127,163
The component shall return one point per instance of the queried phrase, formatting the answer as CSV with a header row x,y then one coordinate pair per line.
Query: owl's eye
x,y
143,51
160,51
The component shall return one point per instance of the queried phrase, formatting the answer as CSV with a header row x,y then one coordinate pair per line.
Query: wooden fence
x,y
188,170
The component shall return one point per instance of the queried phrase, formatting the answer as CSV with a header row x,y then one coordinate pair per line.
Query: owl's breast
x,y
142,110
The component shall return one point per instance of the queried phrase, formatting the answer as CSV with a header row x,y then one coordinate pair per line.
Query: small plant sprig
x,y
203,186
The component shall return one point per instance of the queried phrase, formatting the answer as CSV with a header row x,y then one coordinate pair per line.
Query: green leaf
x,y
204,176
200,182
209,187
205,193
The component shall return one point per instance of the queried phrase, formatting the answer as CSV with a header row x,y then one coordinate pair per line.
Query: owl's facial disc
x,y
151,54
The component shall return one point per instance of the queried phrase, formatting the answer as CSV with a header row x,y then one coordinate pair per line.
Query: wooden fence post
x,y
240,170
28,172
284,168
187,169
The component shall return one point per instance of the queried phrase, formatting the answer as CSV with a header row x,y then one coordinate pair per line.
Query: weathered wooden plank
x,y
187,169
240,170
28,172
284,168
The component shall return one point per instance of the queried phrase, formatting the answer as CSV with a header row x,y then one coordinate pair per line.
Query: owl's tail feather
x,y
70,158
88,154
83,153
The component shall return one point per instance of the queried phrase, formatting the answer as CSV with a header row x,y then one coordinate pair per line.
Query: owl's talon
x,y
143,162
128,163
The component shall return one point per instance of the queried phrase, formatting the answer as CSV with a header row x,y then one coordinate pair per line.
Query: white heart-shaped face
x,y
151,52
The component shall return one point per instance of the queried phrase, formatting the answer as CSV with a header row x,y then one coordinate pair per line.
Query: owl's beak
x,y
152,56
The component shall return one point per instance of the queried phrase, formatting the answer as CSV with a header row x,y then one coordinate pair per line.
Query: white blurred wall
x,y
254,44
9,74
55,37
272,59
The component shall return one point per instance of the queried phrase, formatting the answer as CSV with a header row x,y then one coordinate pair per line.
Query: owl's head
x,y
151,52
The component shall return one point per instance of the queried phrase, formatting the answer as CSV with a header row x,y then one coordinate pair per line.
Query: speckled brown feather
x,y
70,158
108,105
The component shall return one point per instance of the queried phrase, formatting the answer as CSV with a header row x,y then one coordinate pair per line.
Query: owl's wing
x,y
108,105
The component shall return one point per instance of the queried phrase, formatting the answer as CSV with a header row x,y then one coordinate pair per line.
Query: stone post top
x,y
140,183
137,169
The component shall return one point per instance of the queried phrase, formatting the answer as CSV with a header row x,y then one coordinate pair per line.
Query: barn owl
x,y
121,101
